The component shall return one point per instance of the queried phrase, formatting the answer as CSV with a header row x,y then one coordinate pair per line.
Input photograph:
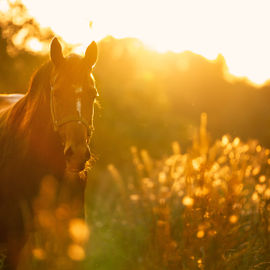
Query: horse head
x,y
72,100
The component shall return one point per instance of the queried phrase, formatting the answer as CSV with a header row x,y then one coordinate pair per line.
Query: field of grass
x,y
207,208
205,205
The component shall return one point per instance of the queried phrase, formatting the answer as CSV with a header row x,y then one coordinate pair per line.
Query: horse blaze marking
x,y
78,90
79,106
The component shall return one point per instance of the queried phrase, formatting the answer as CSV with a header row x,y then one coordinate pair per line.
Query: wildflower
x,y
267,194
224,140
200,234
162,177
238,188
134,197
260,188
197,162
255,197
176,148
256,170
201,191
188,201
262,179
216,183
258,148
233,219
222,159
147,182
78,230
76,252
39,253
236,142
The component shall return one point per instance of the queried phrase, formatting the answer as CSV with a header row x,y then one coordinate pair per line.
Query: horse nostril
x,y
68,152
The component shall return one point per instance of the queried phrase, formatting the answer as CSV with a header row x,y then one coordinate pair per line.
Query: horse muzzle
x,y
76,157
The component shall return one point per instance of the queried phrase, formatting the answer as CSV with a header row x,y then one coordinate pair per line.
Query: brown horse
x,y
45,133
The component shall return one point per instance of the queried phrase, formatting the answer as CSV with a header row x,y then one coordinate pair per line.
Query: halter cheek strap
x,y
59,122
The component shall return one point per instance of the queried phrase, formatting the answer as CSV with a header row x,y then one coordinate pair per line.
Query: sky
x,y
237,29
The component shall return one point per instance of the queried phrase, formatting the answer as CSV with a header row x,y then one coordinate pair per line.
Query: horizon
x,y
237,30
227,75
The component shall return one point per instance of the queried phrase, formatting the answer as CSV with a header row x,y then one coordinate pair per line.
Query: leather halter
x,y
59,122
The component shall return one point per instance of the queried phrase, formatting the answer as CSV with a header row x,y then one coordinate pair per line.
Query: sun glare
x,y
236,29
4,6
34,45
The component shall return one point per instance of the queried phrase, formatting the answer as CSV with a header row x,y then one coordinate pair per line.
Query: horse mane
x,y
21,114
26,128
21,122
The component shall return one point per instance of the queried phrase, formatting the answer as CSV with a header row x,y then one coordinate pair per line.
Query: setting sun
x,y
236,29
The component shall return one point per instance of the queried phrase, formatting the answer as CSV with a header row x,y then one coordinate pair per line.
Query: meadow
x,y
181,178
205,208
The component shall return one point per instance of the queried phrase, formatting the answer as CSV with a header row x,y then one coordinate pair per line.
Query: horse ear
x,y
91,54
56,52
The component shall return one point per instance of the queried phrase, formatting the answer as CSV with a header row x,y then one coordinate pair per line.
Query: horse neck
x,y
32,123
44,136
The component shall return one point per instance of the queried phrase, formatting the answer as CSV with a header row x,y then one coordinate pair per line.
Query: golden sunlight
x,y
34,45
79,230
76,252
236,29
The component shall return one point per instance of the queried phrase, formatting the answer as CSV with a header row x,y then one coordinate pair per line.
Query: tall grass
x,y
207,208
